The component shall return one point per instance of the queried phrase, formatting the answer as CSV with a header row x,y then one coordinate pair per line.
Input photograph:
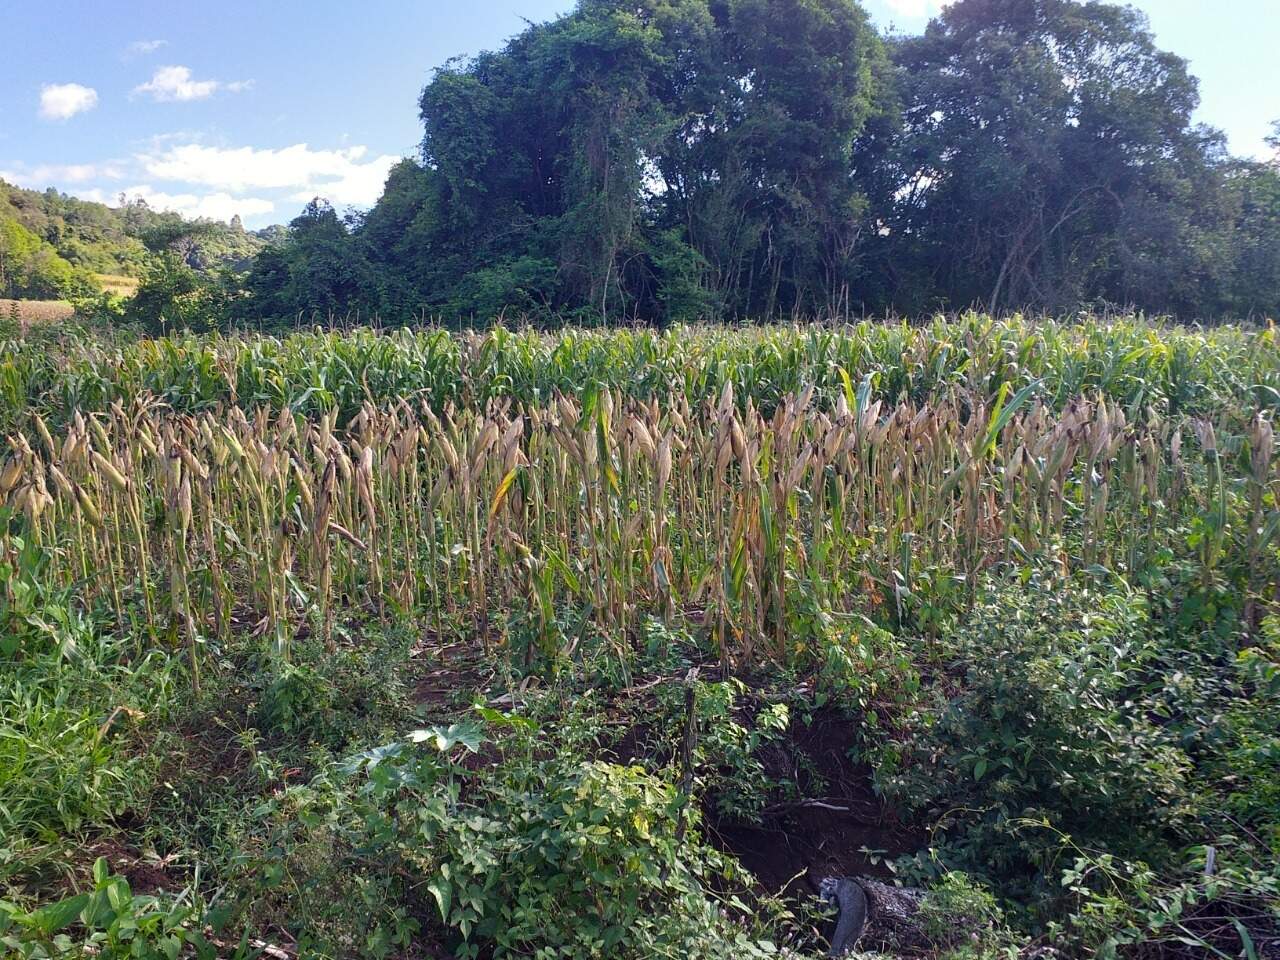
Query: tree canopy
x,y
671,160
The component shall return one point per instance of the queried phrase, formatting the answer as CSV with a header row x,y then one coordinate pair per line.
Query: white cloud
x,y
359,187
341,176
916,8
58,174
170,84
215,206
62,101
70,172
179,173
143,47
61,174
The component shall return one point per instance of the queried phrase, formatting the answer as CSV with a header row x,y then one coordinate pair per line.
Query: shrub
x,y
1041,719
298,698
558,857
173,297
733,731
962,916
108,923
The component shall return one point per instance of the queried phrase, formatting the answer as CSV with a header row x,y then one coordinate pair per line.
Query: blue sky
x,y
253,107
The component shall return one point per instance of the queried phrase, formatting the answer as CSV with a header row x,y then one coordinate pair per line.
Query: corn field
x,y
1132,362
759,523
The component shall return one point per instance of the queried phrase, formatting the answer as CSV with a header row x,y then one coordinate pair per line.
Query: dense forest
x,y
53,246
673,160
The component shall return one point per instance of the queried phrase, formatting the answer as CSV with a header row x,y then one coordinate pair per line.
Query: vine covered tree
x,y
673,160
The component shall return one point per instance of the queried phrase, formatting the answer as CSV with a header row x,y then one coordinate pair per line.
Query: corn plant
x,y
727,512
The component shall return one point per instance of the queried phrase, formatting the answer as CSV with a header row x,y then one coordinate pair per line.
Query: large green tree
x,y
665,157
673,160
760,173
31,268
1252,274
1048,158
317,273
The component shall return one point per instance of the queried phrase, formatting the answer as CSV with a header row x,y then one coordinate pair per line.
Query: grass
x,y
117,284
294,617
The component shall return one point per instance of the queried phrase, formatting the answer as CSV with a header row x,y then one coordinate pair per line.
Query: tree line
x,y
53,246
675,160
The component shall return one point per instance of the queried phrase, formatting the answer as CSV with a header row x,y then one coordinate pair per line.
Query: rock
x,y
894,922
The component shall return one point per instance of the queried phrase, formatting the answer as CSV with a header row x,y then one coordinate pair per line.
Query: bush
x,y
67,690
732,734
962,915
173,297
523,286
560,857
297,699
1042,727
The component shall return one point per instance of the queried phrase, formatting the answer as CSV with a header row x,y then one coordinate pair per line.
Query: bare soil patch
x,y
845,830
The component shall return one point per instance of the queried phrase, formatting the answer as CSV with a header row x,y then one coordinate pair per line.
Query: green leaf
x,y
1250,951
119,895
441,890
500,719
847,385
446,738
370,758
1002,413
49,920
864,393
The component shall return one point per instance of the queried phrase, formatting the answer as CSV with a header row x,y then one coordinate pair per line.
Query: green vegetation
x,y
664,162
660,163
53,246
513,644
1132,362
615,639
30,268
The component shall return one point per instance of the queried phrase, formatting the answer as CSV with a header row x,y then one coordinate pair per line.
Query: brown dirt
x,y
845,831
447,675
146,875
839,828
1216,923
73,873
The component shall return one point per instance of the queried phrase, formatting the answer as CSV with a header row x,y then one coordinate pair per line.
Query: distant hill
x,y
54,246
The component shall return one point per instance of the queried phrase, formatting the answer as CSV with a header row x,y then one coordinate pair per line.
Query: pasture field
x,y
118,285
614,643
